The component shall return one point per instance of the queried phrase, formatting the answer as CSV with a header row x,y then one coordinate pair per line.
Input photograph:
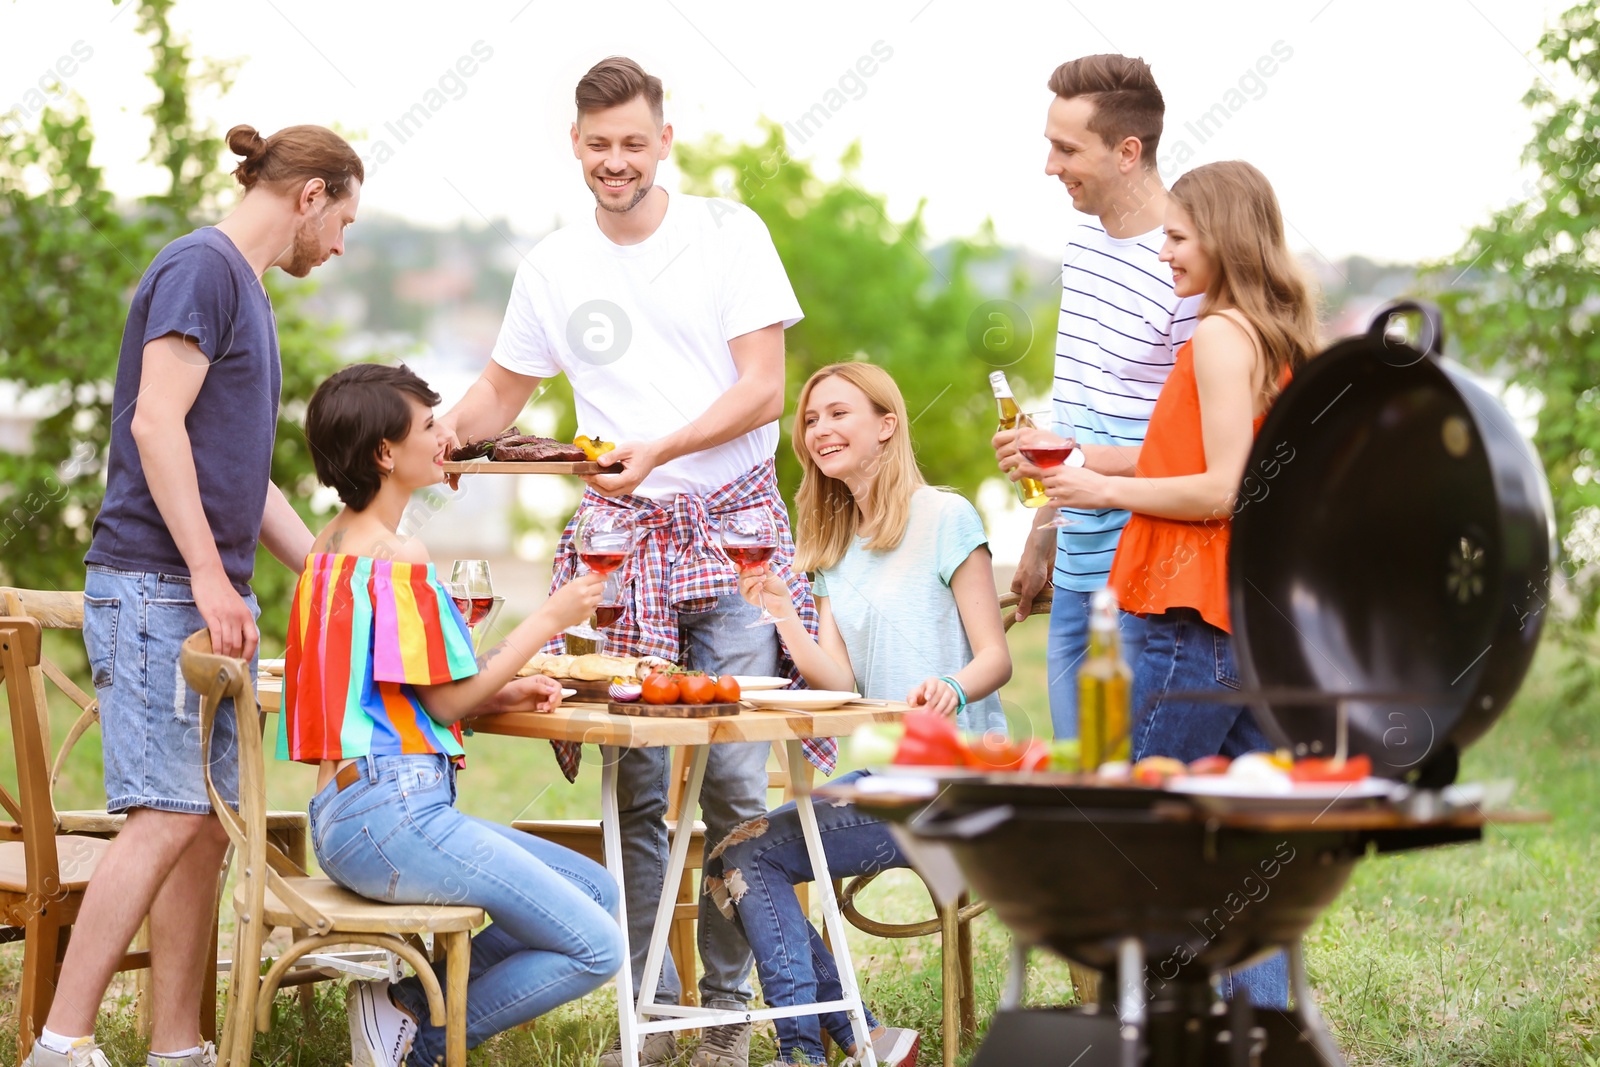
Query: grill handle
x,y
932,823
1432,340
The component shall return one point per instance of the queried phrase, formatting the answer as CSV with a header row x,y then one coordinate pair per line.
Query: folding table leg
x,y
611,837
668,905
832,920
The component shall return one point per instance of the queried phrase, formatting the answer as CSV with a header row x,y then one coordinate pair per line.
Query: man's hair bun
x,y
245,141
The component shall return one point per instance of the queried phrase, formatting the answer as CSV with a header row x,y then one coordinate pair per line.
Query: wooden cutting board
x,y
587,690
673,711
489,466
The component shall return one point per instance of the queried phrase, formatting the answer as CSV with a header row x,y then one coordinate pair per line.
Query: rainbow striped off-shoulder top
x,y
362,632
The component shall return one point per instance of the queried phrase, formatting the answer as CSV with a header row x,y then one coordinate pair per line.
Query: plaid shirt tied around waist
x,y
679,567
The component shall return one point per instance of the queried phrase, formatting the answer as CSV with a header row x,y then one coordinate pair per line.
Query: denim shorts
x,y
134,625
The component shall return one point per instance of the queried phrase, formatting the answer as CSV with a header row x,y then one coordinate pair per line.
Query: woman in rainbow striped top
x,y
379,674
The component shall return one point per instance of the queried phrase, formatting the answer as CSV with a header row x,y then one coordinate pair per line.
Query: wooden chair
x,y
63,610
43,874
273,891
583,837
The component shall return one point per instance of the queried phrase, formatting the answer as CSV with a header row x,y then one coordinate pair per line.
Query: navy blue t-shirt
x,y
199,286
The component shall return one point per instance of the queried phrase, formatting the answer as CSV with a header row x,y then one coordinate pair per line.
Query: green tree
x,y
82,254
872,291
1523,295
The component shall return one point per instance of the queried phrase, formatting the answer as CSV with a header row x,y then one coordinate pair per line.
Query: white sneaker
x,y
896,1046
206,1057
380,1033
85,1053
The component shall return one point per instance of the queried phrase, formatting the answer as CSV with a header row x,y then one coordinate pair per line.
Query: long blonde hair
x,y
825,510
1238,224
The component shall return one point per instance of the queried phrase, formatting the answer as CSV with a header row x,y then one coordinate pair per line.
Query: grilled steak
x,y
519,449
480,449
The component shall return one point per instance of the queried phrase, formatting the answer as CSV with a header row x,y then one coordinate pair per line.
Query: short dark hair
x,y
1127,102
613,82
350,415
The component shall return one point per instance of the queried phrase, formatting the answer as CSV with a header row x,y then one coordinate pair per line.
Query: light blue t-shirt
x,y
895,609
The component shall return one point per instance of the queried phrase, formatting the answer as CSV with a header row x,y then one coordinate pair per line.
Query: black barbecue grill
x,y
1388,577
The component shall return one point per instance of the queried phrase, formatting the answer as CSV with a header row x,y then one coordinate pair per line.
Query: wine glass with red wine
x,y
474,596
470,579
1047,448
605,538
609,609
750,538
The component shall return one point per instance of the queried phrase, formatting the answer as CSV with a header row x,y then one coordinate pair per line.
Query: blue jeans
x,y
757,876
134,625
396,836
1068,644
1184,653
735,791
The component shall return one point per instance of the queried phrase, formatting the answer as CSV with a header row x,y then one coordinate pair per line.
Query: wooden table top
x,y
592,724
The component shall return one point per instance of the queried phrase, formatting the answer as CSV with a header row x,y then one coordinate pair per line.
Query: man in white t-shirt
x,y
666,313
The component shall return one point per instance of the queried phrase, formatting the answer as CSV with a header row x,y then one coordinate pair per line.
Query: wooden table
x,y
593,724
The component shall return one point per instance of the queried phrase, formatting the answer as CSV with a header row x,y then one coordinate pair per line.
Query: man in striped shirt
x,y
1116,338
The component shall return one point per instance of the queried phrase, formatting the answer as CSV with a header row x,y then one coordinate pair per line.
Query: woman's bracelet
x,y
961,694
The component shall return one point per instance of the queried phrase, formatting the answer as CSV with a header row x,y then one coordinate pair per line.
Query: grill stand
x,y
1185,1026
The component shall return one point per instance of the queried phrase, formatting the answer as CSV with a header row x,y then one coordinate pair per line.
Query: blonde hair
x,y
825,510
1238,224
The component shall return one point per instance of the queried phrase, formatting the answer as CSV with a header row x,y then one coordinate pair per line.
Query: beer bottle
x,y
1029,490
1104,685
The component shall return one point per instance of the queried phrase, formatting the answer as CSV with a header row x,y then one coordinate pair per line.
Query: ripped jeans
x,y
751,876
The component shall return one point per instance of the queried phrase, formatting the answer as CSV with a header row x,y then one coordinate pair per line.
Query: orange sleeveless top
x,y
1171,563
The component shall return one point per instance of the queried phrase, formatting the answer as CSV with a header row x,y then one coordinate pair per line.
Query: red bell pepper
x,y
1354,769
994,752
931,740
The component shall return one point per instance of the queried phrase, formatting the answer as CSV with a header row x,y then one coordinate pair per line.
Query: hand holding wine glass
x,y
750,539
1046,449
605,537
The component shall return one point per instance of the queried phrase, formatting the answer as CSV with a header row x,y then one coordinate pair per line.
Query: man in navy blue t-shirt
x,y
189,496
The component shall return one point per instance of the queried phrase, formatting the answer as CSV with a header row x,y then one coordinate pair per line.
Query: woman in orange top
x,y
1257,324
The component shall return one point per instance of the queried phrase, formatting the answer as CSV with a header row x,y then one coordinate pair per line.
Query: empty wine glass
x,y
750,538
1048,448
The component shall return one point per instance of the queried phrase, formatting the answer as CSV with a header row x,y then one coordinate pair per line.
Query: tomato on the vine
x,y
661,688
728,689
697,689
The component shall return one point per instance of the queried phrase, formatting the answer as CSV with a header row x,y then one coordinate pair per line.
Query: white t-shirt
x,y
896,611
642,330
1120,329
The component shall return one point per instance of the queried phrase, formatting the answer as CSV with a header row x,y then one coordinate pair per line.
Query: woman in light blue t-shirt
x,y
907,611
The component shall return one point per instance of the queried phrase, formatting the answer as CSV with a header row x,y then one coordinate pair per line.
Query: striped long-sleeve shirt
x,y
1119,331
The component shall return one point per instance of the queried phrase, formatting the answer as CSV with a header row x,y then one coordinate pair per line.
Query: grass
x,y
1480,955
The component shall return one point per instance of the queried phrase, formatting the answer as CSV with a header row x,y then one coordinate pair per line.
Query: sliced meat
x,y
521,449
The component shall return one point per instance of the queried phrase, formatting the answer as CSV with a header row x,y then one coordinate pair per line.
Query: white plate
x,y
1222,793
757,682
799,699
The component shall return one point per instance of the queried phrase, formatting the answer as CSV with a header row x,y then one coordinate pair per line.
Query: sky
x,y
1388,128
